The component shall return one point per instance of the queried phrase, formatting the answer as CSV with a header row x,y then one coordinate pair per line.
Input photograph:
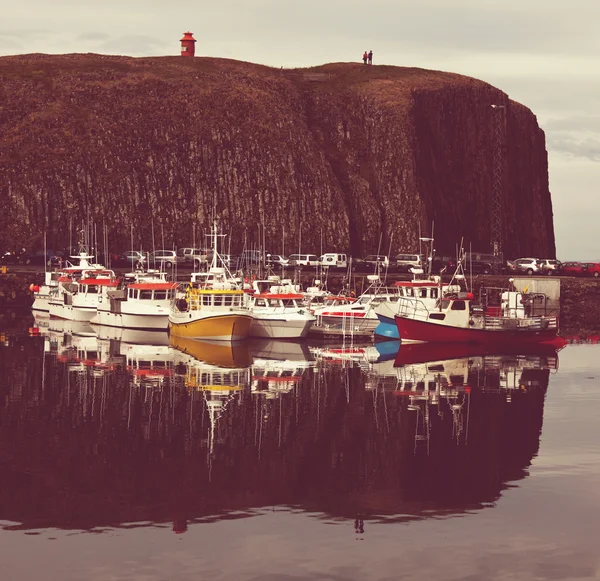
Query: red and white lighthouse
x,y
188,44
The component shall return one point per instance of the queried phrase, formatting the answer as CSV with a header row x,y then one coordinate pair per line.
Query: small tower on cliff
x,y
188,44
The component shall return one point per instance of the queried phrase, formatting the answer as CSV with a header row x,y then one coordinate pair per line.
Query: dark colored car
x,y
572,269
440,263
41,257
9,258
482,263
591,269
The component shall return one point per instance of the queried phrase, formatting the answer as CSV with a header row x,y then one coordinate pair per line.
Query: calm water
x,y
122,461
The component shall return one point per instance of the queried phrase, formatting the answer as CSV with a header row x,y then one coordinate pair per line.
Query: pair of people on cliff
x,y
368,57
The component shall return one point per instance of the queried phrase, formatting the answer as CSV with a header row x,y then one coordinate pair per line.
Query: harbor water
x,y
133,457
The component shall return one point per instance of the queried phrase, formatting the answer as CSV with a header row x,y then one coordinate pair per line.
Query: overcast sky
x,y
543,53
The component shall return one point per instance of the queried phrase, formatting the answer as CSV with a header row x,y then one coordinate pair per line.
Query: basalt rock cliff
x,y
340,157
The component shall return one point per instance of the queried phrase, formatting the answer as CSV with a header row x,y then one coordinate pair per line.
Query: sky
x,y
542,53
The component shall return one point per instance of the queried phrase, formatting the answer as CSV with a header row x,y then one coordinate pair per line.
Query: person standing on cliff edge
x,y
365,57
370,56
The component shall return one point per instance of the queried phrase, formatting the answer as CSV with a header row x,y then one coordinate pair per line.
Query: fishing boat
x,y
213,310
278,311
78,300
74,270
424,292
501,317
140,305
355,315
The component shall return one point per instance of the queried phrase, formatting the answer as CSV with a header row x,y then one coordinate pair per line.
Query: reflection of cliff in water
x,y
93,436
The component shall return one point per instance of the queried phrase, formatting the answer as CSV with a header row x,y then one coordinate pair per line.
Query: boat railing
x,y
520,323
412,308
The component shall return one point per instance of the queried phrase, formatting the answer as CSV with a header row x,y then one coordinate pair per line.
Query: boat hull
x,y
387,328
71,313
153,322
216,327
412,330
280,328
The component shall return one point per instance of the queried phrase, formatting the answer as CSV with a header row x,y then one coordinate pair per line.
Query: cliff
x,y
332,157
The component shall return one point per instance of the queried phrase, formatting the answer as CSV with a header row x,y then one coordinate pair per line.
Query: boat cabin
x,y
278,301
196,299
151,291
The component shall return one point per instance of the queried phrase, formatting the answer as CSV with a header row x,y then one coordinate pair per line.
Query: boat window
x,y
274,302
160,295
458,306
218,301
445,304
437,316
227,300
206,300
92,289
363,300
434,293
423,293
146,295
409,292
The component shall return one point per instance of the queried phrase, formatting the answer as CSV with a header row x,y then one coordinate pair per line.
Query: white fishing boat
x,y
357,315
73,269
78,300
278,310
140,305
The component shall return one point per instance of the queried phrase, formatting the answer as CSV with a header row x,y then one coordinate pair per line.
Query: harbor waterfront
x,y
309,461
578,309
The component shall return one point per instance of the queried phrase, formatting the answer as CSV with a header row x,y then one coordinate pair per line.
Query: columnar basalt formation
x,y
339,157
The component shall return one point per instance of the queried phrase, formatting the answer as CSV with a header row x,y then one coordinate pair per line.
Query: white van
x,y
333,259
303,260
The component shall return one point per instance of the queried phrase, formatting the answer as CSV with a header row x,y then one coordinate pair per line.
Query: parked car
x,y
525,265
130,259
188,255
162,258
549,266
277,260
371,262
484,263
9,258
304,260
406,262
591,269
334,260
443,262
572,269
48,258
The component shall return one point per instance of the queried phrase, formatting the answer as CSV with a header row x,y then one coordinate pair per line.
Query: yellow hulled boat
x,y
210,314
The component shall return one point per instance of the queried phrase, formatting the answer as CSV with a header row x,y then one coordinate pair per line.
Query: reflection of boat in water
x,y
432,437
423,352
221,354
272,349
71,327
133,336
